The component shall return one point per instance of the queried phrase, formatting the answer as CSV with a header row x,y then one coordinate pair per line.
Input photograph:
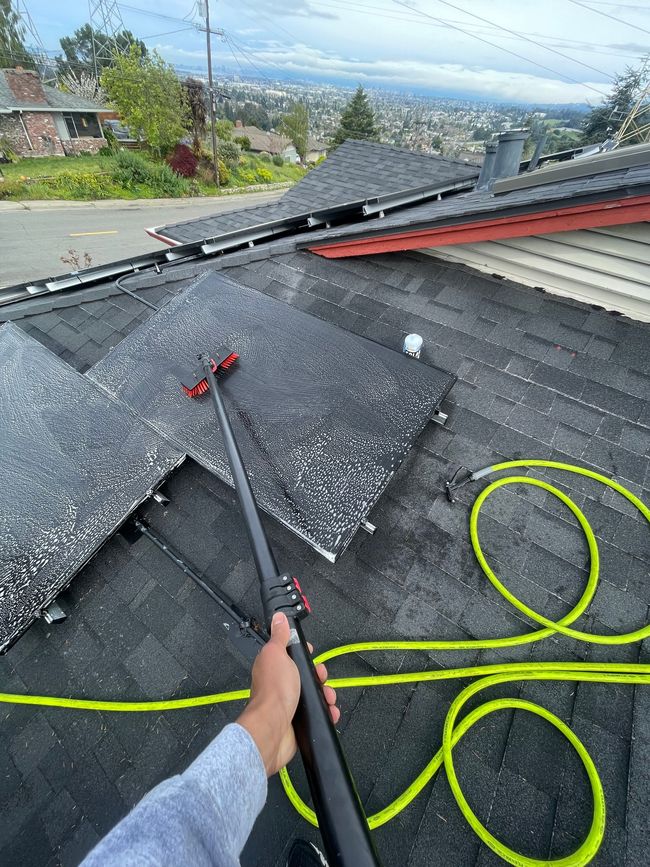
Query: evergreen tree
x,y
78,50
357,120
604,120
12,34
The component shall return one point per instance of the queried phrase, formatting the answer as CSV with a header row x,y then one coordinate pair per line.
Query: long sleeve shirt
x,y
201,817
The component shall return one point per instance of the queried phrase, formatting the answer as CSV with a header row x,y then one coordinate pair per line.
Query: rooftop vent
x,y
502,157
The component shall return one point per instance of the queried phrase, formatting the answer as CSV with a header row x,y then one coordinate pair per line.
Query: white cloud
x,y
442,77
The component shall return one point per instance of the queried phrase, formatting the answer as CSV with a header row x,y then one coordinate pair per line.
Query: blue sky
x,y
426,45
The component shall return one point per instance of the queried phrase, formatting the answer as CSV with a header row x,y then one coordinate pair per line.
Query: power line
x,y
525,38
151,14
607,15
442,23
232,44
501,48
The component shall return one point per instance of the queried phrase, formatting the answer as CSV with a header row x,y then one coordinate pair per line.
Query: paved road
x,y
33,241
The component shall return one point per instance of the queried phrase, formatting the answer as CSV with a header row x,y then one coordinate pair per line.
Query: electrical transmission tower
x,y
34,44
105,18
635,127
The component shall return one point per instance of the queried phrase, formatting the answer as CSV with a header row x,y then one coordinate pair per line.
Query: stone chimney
x,y
25,85
238,124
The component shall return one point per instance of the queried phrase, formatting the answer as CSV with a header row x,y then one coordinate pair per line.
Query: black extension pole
x,y
341,819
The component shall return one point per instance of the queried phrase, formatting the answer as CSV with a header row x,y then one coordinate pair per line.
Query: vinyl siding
x,y
607,266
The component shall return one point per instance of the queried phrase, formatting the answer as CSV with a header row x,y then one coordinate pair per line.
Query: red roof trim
x,y
154,234
609,213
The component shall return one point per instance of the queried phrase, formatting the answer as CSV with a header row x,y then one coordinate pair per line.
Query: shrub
x,y
105,151
165,182
230,153
205,173
264,176
112,142
278,160
247,177
76,185
7,151
265,156
243,141
12,189
131,169
183,161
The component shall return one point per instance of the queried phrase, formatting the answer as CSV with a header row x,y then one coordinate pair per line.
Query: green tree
x,y
604,120
149,97
357,120
295,125
195,98
12,46
224,129
78,50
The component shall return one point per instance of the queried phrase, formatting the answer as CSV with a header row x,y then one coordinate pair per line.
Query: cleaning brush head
x,y
195,383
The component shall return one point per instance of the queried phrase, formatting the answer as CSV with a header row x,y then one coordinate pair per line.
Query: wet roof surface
x,y
539,376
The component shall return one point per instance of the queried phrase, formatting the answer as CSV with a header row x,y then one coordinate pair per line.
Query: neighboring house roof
x,y
313,144
261,140
355,171
602,199
538,377
56,100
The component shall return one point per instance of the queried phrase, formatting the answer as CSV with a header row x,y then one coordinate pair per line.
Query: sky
x,y
556,51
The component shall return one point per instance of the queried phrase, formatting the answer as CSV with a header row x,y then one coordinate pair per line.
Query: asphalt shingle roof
x,y
56,99
622,183
539,376
355,171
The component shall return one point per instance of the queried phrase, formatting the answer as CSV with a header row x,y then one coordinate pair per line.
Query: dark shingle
x,y
417,578
355,171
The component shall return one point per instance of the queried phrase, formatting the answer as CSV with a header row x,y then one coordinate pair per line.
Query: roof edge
x,y
612,212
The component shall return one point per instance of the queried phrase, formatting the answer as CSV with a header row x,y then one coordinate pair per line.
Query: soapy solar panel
x,y
74,463
323,417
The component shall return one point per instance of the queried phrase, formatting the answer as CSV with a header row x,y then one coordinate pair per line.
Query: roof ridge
x,y
404,150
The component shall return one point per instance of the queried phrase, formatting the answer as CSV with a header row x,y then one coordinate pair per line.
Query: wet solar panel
x,y
74,463
323,417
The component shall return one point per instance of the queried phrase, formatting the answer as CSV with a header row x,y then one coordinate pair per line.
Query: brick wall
x,y
11,129
81,145
25,86
43,134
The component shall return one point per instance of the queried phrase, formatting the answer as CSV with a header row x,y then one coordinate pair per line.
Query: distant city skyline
x,y
429,46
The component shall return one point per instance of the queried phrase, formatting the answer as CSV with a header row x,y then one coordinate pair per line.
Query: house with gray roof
x,y
38,120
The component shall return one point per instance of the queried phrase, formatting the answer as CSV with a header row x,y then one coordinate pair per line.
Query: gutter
x,y
544,220
323,217
226,242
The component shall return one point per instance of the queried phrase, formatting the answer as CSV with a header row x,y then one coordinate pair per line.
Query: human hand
x,y
275,690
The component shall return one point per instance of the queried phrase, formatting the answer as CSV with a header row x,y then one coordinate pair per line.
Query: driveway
x,y
35,237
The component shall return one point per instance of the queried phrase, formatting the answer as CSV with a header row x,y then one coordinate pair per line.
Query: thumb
x,y
280,631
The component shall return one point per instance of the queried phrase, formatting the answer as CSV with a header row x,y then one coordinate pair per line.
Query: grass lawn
x,y
90,177
41,167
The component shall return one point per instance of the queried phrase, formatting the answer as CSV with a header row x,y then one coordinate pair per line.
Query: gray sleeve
x,y
202,817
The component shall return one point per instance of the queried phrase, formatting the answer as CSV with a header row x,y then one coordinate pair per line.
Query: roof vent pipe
x,y
488,166
510,147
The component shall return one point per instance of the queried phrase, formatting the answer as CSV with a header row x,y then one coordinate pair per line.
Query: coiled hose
x,y
484,676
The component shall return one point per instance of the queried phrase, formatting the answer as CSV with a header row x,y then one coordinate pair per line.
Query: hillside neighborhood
x,y
325,424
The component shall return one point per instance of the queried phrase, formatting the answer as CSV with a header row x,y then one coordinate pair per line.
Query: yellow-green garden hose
x,y
483,677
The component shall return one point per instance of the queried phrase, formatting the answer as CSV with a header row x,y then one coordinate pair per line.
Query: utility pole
x,y
215,153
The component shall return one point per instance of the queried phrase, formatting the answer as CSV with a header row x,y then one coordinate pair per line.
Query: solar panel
x,y
74,462
323,417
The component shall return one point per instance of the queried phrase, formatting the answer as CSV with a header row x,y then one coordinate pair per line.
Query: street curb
x,y
135,204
